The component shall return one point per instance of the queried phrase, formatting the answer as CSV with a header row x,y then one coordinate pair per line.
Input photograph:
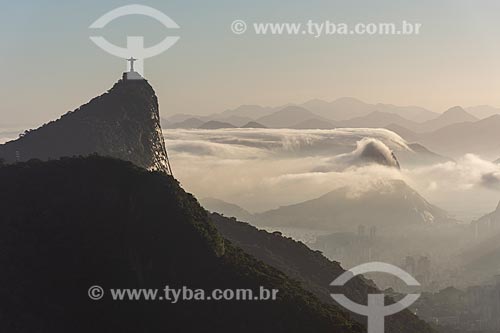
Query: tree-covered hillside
x,y
69,224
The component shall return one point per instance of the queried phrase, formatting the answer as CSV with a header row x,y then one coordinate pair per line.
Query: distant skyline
x,y
50,66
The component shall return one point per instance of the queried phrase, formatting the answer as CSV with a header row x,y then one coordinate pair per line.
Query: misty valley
x,y
364,194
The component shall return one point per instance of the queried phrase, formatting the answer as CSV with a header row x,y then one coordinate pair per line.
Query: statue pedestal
x,y
132,76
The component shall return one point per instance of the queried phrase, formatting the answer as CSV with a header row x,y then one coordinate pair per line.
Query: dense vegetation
x,y
311,268
68,224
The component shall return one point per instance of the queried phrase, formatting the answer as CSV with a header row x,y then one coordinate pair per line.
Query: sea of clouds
x,y
261,169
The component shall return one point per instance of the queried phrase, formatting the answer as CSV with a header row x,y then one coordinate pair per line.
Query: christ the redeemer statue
x,y
132,74
132,60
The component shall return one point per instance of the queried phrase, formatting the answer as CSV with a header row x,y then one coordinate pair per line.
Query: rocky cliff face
x,y
123,123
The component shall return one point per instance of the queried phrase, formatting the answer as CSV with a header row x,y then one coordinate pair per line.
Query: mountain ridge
x,y
73,223
123,123
309,267
386,204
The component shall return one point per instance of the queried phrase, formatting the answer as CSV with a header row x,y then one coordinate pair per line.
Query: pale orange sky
x,y
50,66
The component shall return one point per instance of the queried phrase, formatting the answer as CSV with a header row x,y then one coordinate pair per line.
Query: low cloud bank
x,y
264,169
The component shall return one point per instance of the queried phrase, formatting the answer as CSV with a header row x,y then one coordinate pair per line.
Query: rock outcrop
x,y
123,123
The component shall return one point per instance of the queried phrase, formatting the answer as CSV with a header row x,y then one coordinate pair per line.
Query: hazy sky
x,y
50,66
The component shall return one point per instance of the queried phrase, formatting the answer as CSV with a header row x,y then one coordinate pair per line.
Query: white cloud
x,y
368,151
264,169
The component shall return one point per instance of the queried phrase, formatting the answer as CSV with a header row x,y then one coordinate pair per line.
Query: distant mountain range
x,y
469,135
391,203
385,204
314,123
348,108
227,209
480,137
291,116
253,124
287,117
377,119
483,111
452,116
433,130
214,124
347,112
186,123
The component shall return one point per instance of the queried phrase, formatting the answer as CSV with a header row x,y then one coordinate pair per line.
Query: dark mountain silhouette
x,y
368,151
348,108
194,121
177,118
422,156
248,111
226,208
371,153
313,270
314,123
343,112
214,124
413,113
239,116
455,140
122,123
287,117
165,123
405,133
391,203
454,115
378,119
253,124
188,123
483,111
480,137
73,223
341,109
233,119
